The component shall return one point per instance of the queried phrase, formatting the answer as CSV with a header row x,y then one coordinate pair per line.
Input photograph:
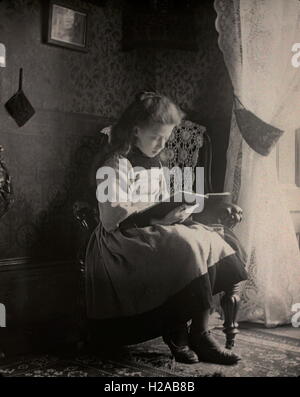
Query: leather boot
x,y
208,349
181,352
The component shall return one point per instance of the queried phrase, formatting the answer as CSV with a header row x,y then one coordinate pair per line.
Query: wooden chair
x,y
189,145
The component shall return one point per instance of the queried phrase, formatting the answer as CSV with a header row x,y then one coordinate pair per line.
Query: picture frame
x,y
66,26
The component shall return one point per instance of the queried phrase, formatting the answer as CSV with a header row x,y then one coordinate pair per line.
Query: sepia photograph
x,y
150,191
66,26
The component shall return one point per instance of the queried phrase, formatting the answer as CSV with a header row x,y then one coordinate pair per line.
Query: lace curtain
x,y
256,38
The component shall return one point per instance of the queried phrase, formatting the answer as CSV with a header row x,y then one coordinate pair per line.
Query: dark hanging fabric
x,y
260,136
159,24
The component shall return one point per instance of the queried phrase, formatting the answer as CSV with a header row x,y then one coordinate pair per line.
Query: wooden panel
x,y
153,24
49,163
42,302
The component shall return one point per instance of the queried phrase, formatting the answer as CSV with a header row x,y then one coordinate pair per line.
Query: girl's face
x,y
151,140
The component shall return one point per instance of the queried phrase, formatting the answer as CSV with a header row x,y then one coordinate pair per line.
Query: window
x,y
288,166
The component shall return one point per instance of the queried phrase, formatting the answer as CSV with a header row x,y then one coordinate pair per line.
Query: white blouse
x,y
123,190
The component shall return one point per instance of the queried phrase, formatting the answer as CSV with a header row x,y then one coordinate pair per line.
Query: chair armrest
x,y
230,215
87,218
86,215
226,214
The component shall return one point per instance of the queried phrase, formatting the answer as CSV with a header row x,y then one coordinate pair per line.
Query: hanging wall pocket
x,y
260,136
18,106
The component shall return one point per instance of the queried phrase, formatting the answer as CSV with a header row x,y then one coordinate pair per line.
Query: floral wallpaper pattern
x,y
99,82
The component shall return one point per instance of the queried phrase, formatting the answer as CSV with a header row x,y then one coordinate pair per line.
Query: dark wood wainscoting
x,y
42,301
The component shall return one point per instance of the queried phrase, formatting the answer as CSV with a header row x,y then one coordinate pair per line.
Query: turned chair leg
x,y
230,305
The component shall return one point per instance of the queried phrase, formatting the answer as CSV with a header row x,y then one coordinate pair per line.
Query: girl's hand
x,y
178,215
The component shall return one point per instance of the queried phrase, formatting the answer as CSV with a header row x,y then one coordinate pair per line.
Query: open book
x,y
158,210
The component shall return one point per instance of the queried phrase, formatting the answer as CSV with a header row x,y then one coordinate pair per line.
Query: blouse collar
x,y
138,159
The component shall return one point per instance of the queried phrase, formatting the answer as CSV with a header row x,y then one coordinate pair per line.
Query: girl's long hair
x,y
148,108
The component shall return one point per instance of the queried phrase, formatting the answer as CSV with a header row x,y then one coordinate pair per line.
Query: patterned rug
x,y
263,355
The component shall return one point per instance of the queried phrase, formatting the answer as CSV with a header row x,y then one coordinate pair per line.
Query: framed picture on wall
x,y
66,26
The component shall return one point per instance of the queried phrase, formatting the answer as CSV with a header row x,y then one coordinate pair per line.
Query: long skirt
x,y
143,280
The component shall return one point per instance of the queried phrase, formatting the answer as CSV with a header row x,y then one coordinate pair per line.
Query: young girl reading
x,y
164,274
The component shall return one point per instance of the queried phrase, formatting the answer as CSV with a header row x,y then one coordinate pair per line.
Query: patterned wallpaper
x,y
99,82
75,94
